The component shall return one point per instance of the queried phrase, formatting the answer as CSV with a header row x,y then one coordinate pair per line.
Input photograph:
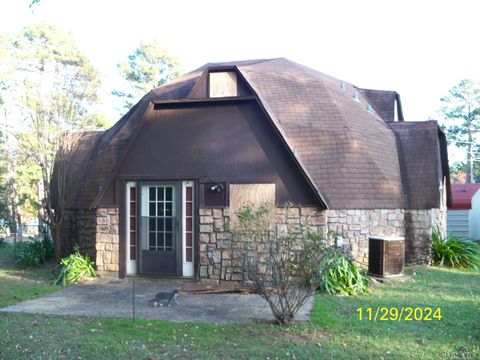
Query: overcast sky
x,y
418,48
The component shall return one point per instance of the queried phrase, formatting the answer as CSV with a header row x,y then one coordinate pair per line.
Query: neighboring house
x,y
154,193
463,216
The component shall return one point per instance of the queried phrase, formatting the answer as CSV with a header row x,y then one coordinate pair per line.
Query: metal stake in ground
x,y
133,299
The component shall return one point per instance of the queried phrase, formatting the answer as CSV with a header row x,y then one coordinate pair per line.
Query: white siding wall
x,y
457,222
474,217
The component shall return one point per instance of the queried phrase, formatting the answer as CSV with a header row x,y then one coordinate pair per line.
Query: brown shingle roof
x,y
418,145
348,151
384,103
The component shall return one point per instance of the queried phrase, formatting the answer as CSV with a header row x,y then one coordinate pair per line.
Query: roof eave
x,y
159,103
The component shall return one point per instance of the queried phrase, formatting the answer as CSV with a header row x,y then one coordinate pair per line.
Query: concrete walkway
x,y
113,298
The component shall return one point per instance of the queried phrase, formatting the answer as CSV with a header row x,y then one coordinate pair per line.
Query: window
x,y
222,84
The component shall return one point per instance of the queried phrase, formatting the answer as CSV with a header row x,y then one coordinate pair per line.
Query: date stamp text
x,y
405,313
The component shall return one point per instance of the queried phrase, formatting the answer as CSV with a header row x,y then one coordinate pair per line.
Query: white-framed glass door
x,y
159,229
157,216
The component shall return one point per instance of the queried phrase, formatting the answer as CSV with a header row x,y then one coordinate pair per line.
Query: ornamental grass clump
x,y
75,268
32,252
339,275
455,251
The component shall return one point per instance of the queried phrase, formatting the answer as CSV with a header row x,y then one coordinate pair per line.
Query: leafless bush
x,y
281,266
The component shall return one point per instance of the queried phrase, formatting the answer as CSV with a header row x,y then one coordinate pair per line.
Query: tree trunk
x,y
470,157
57,241
19,233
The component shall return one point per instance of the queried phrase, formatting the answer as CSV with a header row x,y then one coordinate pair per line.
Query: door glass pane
x,y
169,224
152,193
161,193
169,209
168,196
151,209
160,209
151,224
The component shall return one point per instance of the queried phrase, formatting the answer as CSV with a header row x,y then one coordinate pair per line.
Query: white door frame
x,y
131,264
188,266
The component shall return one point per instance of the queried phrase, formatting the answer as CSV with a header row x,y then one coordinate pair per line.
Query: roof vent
x,y
222,84
343,85
355,96
369,108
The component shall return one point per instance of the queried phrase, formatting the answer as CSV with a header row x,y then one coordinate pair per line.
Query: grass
x,y
19,284
335,330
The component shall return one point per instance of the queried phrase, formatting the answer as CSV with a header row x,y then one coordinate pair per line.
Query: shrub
x,y
455,251
278,265
32,252
339,275
75,267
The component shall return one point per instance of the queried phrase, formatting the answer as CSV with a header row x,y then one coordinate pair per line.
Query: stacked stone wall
x,y
355,226
80,232
96,234
419,225
107,242
220,254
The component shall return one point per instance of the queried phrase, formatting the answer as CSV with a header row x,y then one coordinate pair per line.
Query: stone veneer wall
x,y
416,225
419,225
96,233
355,226
220,255
107,242
82,232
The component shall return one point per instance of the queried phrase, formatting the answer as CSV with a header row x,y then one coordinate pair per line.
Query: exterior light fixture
x,y
217,187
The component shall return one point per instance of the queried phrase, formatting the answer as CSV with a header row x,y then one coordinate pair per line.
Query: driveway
x,y
114,298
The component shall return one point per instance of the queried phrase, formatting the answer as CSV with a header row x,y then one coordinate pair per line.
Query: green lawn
x,y
335,331
17,284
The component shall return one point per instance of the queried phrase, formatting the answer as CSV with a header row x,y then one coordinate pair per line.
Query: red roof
x,y
462,195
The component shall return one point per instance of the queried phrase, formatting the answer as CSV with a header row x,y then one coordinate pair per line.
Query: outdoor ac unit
x,y
386,256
